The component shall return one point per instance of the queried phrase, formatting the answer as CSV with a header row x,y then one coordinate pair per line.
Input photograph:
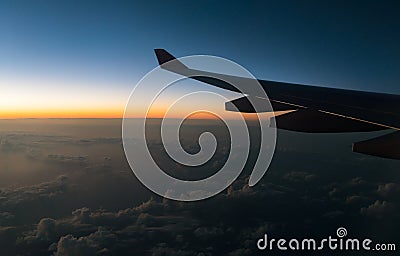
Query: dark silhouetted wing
x,y
315,109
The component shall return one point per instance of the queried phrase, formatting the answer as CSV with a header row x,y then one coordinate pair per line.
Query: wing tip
x,y
164,58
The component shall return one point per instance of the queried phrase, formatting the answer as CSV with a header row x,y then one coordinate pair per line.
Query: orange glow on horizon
x,y
26,97
102,113
59,113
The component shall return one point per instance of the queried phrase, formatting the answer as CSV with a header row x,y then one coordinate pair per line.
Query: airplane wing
x,y
314,109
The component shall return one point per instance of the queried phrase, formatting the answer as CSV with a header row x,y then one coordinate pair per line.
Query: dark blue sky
x,y
109,44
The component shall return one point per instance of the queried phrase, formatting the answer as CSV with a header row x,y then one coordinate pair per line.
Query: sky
x,y
83,58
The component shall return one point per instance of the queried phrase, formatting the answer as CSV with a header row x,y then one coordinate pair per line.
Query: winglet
x,y
167,61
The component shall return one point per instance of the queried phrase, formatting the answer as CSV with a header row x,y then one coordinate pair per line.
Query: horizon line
x,y
64,118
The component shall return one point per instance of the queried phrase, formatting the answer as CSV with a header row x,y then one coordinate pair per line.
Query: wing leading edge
x,y
316,109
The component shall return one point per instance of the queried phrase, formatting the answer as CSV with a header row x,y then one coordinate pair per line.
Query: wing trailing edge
x,y
386,146
314,121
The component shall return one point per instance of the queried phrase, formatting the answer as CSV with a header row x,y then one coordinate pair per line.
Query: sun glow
x,y
41,98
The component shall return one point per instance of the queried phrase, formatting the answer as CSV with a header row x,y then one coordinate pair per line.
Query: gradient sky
x,y
82,59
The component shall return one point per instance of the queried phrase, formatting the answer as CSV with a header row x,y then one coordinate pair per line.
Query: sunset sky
x,y
72,171
72,59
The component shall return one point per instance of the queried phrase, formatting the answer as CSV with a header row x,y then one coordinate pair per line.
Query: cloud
x,y
70,245
81,215
6,218
6,145
208,232
67,158
160,226
46,229
378,209
355,199
105,140
300,176
388,189
33,194
288,199
25,142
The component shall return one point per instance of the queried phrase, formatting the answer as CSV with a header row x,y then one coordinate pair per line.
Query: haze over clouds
x,y
72,192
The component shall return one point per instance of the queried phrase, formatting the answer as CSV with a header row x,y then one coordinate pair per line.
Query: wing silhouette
x,y
313,109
